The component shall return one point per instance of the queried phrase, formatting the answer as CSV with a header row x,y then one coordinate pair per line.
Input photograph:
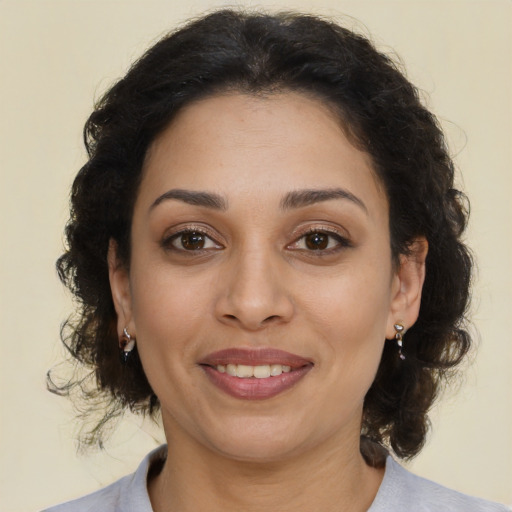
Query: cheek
x,y
169,319
358,299
160,291
169,312
350,316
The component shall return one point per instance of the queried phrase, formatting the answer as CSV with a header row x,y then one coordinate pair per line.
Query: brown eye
x,y
192,241
321,242
317,241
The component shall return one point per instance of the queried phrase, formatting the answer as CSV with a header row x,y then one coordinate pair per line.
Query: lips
x,y
255,374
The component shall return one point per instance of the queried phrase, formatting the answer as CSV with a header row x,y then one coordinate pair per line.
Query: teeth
x,y
276,369
262,372
244,371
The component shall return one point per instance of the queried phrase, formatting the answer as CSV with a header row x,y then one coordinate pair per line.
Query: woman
x,y
265,204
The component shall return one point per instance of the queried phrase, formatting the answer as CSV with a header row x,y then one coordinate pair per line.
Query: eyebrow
x,y
205,199
302,198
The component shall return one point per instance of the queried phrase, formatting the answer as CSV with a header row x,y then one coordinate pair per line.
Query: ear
x,y
407,286
120,288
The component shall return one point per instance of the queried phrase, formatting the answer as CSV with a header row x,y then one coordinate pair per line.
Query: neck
x,y
336,478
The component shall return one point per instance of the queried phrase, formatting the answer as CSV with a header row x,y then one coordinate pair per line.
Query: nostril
x,y
265,321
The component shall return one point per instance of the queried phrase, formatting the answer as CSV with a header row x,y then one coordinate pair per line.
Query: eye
x,y
191,240
321,241
317,241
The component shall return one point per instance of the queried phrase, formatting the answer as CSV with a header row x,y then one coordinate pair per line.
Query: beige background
x,y
55,56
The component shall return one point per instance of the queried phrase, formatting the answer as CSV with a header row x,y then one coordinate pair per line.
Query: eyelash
x,y
168,242
341,241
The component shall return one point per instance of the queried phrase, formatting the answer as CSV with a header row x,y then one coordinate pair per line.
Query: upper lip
x,y
254,357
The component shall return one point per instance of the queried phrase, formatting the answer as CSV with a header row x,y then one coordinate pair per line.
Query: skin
x,y
257,283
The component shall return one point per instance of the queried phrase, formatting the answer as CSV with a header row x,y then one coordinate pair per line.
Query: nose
x,y
253,293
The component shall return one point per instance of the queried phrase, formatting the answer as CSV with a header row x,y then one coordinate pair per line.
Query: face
x,y
261,286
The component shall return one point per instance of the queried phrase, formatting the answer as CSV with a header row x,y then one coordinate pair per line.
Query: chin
x,y
259,442
276,442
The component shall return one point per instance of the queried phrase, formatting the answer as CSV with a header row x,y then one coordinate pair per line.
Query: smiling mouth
x,y
244,371
271,372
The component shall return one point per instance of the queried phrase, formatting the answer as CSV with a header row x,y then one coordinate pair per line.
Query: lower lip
x,y
253,388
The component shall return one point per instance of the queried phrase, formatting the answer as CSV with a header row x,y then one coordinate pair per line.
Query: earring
x,y
400,331
126,345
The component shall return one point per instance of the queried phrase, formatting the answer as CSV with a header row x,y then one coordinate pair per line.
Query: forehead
x,y
236,142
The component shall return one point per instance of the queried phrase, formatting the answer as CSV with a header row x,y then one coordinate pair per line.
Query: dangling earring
x,y
400,331
126,345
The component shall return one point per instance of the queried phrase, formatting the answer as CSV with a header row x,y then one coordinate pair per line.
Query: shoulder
x,y
403,491
129,494
106,499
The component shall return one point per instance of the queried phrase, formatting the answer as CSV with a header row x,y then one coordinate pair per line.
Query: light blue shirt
x,y
400,491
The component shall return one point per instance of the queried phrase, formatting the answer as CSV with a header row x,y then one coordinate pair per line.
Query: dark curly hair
x,y
381,113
